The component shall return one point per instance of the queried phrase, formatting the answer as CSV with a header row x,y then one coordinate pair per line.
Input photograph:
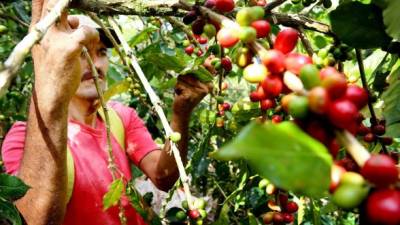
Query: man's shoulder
x,y
118,106
126,113
17,128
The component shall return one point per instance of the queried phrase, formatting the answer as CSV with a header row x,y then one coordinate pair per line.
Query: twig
x,y
353,147
305,41
157,106
365,84
296,20
270,6
129,7
15,18
111,161
17,56
374,120
183,27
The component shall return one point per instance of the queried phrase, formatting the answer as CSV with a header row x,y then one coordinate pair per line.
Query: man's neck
x,y
83,110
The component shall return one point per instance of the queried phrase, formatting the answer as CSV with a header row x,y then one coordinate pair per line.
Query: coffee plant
x,y
302,127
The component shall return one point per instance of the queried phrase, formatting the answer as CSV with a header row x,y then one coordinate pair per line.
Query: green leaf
x,y
371,63
284,154
199,72
117,88
223,218
11,187
114,193
10,213
165,62
391,109
252,219
391,17
142,36
359,25
113,74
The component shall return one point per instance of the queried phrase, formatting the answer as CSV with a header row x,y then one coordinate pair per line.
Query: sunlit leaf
x,y
142,36
114,193
391,18
391,109
118,88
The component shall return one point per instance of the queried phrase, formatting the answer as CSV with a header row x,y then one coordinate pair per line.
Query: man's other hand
x,y
189,92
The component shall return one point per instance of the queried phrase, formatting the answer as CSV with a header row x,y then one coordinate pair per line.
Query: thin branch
x,y
129,7
16,58
15,18
157,106
111,161
295,20
353,147
272,5
305,41
365,86
176,23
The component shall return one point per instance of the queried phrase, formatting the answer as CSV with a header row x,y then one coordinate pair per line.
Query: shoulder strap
x,y
70,174
116,125
117,130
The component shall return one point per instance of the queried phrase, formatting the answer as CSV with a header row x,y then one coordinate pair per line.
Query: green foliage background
x,y
233,185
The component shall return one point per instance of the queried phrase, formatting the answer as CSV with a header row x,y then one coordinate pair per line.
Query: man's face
x,y
87,88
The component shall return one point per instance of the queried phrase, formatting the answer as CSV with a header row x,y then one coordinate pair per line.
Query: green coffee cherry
x,y
175,137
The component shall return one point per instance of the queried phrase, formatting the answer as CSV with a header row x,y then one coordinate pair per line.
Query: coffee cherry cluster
x,y
375,133
282,209
193,216
252,26
350,189
330,103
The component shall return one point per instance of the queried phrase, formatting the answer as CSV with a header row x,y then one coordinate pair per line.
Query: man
x,y
63,112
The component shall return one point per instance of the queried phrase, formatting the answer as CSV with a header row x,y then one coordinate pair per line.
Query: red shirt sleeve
x,y
13,147
138,141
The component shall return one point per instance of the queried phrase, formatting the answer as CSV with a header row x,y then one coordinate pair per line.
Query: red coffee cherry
x,y
379,129
370,137
267,104
258,95
194,214
272,85
342,113
295,61
357,95
226,64
189,49
286,40
383,207
380,170
224,5
262,27
292,207
227,38
276,119
274,61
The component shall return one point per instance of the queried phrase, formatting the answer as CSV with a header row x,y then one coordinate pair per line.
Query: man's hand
x,y
160,166
189,92
57,57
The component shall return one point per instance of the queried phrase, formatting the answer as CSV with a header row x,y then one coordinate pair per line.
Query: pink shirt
x,y
92,177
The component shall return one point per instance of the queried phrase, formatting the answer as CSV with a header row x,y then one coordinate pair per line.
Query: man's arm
x,y
57,76
160,166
